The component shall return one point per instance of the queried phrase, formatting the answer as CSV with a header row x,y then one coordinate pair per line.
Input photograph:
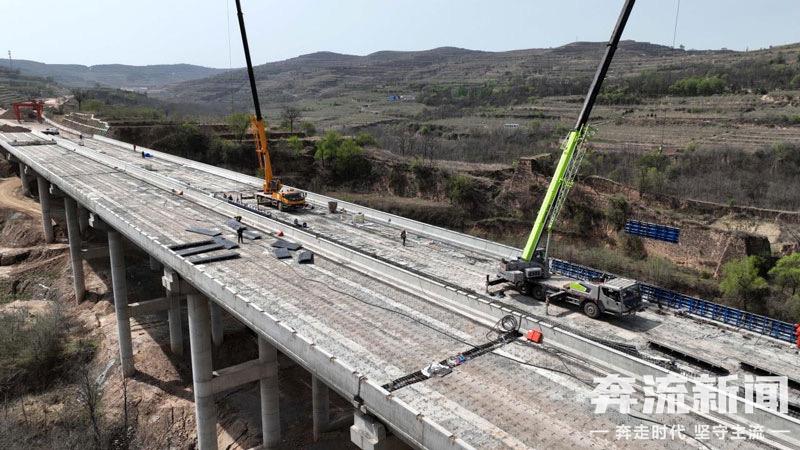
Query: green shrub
x,y
365,139
344,158
295,144
786,272
618,211
741,281
33,350
698,86
466,192
632,246
308,128
327,146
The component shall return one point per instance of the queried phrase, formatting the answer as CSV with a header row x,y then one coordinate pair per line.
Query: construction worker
x,y
240,234
403,237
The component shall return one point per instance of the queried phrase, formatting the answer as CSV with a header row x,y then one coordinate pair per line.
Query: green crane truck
x,y
530,273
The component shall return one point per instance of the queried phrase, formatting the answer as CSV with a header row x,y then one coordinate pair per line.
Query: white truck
x,y
616,296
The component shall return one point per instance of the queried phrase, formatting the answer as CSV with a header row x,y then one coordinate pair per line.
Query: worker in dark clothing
x,y
240,234
403,237
142,153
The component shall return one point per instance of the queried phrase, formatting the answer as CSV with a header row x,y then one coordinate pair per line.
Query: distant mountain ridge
x,y
328,74
116,75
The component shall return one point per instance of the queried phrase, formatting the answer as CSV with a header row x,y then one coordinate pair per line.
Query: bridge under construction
x,y
406,333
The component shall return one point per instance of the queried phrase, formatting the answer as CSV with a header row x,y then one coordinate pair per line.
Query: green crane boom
x,y
571,153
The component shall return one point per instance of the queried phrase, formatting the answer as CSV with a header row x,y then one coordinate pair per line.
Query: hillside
x,y
565,70
116,75
16,87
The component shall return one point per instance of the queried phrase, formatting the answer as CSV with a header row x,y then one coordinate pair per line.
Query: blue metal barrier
x,y
703,308
653,231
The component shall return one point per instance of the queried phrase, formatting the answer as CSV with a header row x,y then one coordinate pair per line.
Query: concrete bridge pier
x,y
44,202
216,325
172,283
320,406
23,176
270,408
200,343
175,325
74,236
83,220
120,287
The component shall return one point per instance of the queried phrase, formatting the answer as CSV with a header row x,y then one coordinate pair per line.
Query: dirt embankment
x,y
711,234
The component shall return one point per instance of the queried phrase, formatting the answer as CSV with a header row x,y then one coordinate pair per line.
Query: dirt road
x,y
12,198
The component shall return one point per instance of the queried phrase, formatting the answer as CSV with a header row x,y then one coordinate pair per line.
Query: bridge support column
x,y
175,288
23,177
270,407
83,219
73,233
175,325
44,202
120,287
320,406
200,343
216,325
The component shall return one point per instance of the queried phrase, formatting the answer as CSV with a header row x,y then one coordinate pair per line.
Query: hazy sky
x,y
196,31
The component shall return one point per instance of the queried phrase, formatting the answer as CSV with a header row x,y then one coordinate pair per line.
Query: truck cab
x,y
618,296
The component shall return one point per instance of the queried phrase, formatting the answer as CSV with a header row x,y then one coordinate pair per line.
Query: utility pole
x,y
10,64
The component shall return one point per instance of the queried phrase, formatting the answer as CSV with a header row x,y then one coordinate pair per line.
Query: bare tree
x,y
289,115
89,396
79,95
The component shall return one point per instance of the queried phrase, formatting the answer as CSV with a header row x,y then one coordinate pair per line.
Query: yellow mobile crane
x,y
274,193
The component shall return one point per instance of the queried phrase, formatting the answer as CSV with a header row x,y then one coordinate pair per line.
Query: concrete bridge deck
x,y
450,259
356,332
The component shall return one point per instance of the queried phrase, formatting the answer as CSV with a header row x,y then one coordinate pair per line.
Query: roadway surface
x,y
384,332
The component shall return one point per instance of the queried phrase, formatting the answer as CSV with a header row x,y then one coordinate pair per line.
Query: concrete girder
x,y
246,372
148,307
94,252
